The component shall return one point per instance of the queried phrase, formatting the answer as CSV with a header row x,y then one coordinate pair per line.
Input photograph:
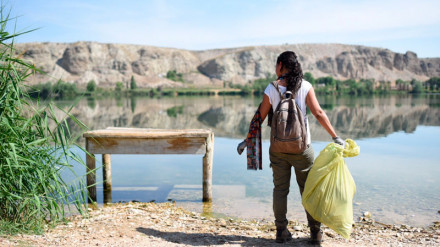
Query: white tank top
x,y
274,99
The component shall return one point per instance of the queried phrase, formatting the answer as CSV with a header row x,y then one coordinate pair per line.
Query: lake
x,y
396,174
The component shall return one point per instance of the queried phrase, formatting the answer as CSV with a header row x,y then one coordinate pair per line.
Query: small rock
x,y
330,234
367,214
135,211
222,222
297,228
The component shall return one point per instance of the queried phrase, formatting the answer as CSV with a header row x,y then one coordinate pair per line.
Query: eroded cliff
x,y
109,63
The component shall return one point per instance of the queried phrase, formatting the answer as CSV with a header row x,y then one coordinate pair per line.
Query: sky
x,y
398,25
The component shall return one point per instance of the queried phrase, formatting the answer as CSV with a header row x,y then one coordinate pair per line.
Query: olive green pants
x,y
282,164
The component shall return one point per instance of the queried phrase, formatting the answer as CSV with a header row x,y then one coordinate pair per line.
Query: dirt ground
x,y
164,224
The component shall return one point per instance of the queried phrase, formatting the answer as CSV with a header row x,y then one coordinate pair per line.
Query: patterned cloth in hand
x,y
253,140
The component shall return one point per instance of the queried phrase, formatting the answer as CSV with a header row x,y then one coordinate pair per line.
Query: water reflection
x,y
353,117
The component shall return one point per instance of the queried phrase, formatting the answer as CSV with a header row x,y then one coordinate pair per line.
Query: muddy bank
x,y
164,224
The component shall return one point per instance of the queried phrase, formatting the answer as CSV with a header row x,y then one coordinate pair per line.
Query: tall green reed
x,y
35,148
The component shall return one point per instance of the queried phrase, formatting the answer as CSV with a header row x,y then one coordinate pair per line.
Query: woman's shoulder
x,y
306,84
271,91
270,87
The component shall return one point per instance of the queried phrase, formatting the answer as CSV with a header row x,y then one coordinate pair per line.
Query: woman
x,y
290,78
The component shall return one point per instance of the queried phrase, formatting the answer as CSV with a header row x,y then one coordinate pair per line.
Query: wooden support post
x,y
91,175
207,168
107,177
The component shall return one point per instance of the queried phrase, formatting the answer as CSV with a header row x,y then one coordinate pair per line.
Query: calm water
x,y
396,174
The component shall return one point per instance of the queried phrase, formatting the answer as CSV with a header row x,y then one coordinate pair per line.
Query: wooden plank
x,y
147,133
180,145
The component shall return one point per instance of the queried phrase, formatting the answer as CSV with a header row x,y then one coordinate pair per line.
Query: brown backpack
x,y
288,132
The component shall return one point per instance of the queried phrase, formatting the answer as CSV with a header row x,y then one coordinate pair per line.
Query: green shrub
x,y
153,92
91,86
119,86
63,89
309,77
174,76
417,87
133,83
260,84
433,83
328,81
41,91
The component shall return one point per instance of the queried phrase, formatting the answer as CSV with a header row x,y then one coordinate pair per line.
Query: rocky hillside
x,y
109,63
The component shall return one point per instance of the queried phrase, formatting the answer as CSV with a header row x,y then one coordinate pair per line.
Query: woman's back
x,y
300,99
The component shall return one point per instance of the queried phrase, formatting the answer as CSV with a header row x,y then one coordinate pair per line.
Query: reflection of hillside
x,y
357,122
362,122
230,116
168,113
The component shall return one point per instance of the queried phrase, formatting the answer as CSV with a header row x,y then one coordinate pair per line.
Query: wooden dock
x,y
146,141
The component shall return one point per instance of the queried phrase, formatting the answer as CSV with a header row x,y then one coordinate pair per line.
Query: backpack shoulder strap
x,y
275,84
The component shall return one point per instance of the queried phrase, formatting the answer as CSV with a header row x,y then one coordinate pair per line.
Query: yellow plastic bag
x,y
329,189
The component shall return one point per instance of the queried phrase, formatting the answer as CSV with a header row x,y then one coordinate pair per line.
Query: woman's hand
x,y
338,140
241,146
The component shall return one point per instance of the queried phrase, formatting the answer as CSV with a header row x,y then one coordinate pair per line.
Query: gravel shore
x,y
164,224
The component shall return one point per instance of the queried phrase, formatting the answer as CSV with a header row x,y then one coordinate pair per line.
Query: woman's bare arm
x,y
265,107
320,115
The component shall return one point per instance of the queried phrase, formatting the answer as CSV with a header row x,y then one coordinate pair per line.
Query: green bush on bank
x,y
260,84
433,84
119,87
35,148
309,77
255,87
91,86
57,90
133,85
174,76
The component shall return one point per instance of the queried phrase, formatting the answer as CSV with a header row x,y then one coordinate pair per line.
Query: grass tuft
x,y
35,148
